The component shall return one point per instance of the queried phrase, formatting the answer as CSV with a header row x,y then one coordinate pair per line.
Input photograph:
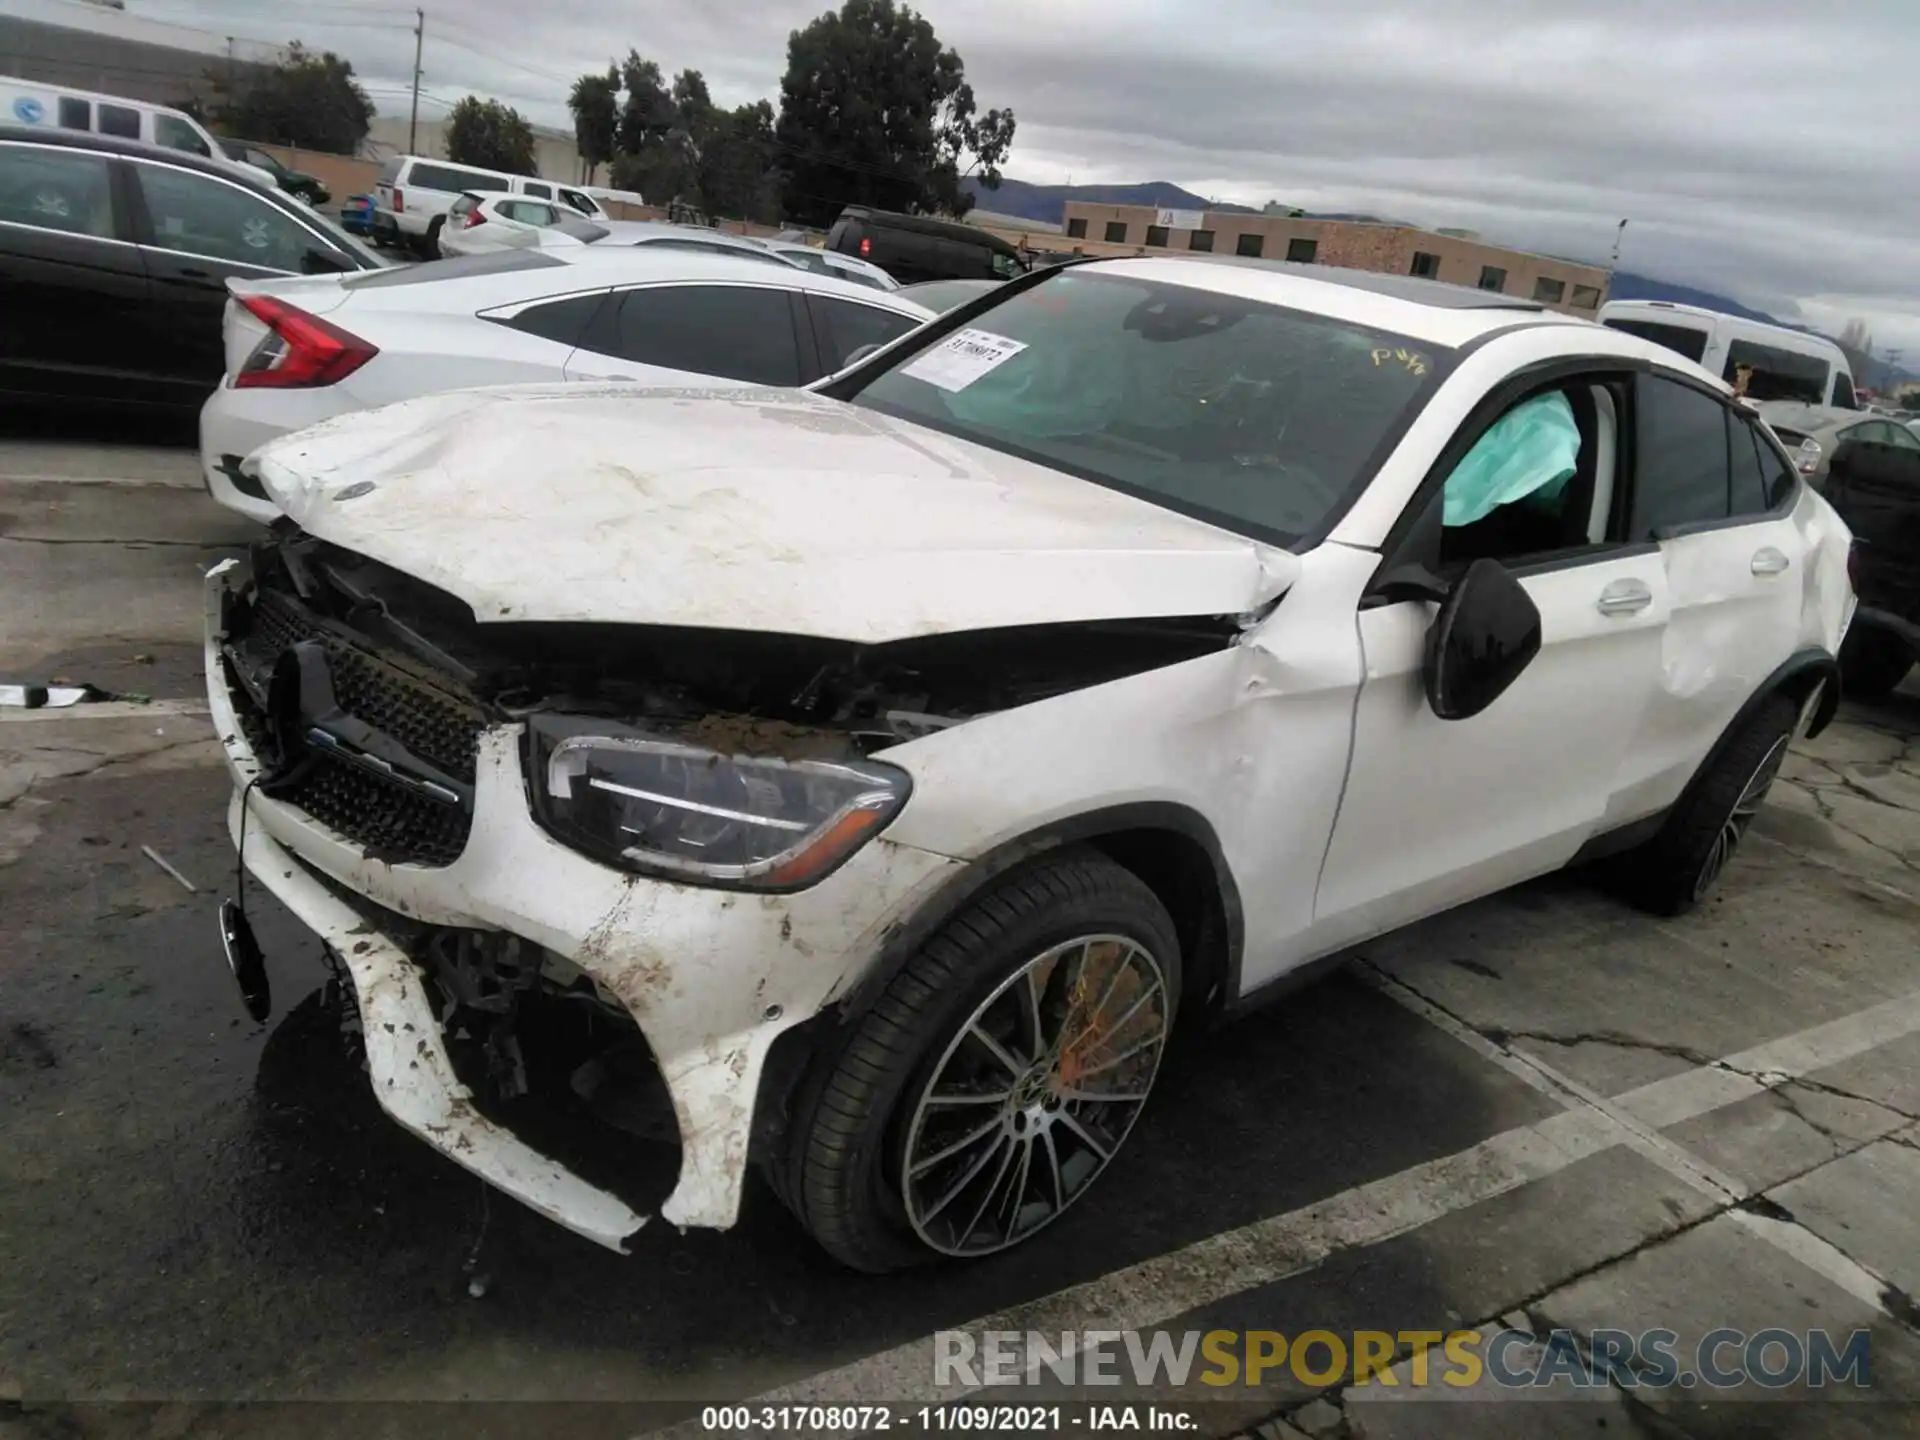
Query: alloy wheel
x,y
1752,794
1034,1094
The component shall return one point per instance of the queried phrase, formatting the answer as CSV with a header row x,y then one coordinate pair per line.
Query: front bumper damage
x,y
711,978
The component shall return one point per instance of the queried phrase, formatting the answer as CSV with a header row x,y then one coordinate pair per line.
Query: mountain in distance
x,y
1629,286
1047,203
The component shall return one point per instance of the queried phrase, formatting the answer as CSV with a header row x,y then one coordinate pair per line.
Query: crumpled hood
x,y
768,510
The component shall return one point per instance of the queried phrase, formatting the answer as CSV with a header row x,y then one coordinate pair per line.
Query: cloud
x,y
1762,149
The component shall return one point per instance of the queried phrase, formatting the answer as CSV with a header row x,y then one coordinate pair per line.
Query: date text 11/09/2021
x,y
942,1419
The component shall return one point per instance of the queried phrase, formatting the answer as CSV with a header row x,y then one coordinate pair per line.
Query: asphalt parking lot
x,y
1544,1110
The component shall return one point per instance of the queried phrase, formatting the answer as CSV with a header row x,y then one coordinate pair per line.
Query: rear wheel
x,y
430,247
1873,663
998,1074
1676,870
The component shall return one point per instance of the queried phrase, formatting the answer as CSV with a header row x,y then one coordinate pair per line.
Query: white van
x,y
1785,364
31,102
414,193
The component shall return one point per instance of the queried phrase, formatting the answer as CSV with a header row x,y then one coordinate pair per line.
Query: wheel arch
x,y
1173,848
1796,678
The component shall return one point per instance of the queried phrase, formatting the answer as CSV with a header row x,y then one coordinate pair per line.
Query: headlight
x,y
644,802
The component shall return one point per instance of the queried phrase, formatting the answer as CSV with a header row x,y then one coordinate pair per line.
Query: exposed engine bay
x,y
724,689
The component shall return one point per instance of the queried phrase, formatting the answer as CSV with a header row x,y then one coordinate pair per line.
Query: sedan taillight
x,y
299,351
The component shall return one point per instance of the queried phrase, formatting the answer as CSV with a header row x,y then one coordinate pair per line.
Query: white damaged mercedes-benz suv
x,y
894,770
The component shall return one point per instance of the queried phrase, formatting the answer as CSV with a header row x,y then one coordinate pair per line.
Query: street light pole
x,y
1614,263
413,121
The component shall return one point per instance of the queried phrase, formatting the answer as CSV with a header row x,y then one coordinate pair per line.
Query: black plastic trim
x,y
1796,665
1620,838
905,937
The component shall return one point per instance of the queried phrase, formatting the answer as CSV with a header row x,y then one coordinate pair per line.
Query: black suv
x,y
1876,489
114,262
914,248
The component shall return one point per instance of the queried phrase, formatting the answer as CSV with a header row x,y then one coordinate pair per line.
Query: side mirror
x,y
1487,632
319,262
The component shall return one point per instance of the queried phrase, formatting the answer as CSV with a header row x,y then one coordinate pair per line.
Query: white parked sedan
x,y
303,350
894,768
482,221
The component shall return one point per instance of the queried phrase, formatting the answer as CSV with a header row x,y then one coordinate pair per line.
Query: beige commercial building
x,y
1391,249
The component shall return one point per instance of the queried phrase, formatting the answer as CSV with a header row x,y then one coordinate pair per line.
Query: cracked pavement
x,y
1719,1115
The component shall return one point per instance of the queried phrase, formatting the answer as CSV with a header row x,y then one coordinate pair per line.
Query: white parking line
x,y
1156,1291
164,482
102,710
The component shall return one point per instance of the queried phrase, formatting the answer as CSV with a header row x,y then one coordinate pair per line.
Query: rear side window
x,y
843,327
1776,475
1775,374
561,321
50,189
1746,483
119,120
445,177
1681,458
75,114
734,331
534,187
1843,397
1681,339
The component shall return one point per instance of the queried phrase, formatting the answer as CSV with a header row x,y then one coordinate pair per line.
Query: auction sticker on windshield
x,y
963,358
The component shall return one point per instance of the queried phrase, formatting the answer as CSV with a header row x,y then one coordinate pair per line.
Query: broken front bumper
x,y
711,977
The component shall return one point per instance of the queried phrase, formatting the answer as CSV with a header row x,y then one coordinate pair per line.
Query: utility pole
x,y
413,121
1614,263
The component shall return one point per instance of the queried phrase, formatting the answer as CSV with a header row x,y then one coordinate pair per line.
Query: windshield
x,y
1254,417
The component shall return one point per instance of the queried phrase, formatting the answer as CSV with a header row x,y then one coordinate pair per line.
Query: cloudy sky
x,y
1767,149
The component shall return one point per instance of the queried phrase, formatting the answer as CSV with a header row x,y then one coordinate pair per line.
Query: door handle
x,y
188,272
1625,597
1769,561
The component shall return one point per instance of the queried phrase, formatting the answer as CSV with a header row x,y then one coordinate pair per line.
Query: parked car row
x,y
115,257
300,351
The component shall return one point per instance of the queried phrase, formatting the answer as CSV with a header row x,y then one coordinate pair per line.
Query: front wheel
x,y
997,1076
1676,870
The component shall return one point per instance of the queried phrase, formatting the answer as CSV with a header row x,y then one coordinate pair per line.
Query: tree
x,y
648,113
308,101
874,111
491,135
595,103
735,173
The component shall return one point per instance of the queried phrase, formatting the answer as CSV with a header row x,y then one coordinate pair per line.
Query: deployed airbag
x,y
1531,450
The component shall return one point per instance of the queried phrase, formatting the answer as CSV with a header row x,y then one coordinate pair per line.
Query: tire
x,y
1872,664
1675,870
864,1152
430,245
